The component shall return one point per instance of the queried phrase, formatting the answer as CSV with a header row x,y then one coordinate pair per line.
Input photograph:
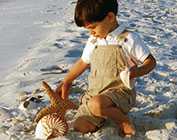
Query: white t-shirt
x,y
134,46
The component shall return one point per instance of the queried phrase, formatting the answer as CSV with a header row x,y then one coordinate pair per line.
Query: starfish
x,y
57,104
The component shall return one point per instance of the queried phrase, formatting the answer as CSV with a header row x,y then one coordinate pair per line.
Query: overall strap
x,y
122,38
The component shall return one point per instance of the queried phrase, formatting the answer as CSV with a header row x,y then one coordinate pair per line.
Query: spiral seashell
x,y
51,126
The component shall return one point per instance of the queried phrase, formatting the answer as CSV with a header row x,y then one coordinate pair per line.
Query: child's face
x,y
102,28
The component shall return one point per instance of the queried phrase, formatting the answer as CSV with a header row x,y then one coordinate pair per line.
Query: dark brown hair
x,y
93,10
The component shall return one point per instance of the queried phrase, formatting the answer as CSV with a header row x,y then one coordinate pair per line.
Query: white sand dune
x,y
47,41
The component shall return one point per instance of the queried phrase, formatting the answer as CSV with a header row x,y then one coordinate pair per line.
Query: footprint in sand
x,y
54,69
59,45
74,53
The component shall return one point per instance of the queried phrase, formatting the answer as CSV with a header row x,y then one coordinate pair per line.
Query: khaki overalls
x,y
106,64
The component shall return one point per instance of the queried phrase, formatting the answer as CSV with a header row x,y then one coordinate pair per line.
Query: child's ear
x,y
111,16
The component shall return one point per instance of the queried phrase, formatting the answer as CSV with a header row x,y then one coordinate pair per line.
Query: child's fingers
x,y
59,89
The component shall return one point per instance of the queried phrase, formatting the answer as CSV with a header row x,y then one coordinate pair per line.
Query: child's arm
x,y
78,68
148,64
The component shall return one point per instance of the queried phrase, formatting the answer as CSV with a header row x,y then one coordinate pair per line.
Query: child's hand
x,y
148,64
65,89
58,89
78,68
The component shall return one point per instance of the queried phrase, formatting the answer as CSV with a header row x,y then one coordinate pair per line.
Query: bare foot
x,y
127,129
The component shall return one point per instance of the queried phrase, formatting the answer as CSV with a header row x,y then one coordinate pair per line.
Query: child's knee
x,y
84,126
94,106
97,105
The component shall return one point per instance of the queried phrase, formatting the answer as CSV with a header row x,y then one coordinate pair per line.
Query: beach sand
x,y
58,47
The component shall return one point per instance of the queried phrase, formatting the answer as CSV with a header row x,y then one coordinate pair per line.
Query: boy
x,y
113,55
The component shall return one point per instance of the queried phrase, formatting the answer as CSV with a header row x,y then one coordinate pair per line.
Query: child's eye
x,y
92,27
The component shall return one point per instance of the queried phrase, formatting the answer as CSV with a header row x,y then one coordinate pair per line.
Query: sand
x,y
55,43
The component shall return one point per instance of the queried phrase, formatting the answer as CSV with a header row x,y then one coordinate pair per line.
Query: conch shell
x,y
51,126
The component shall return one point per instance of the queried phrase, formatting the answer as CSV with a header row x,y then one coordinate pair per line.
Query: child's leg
x,y
102,106
85,121
83,125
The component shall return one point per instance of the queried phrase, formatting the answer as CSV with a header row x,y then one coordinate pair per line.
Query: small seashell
x,y
51,126
163,74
